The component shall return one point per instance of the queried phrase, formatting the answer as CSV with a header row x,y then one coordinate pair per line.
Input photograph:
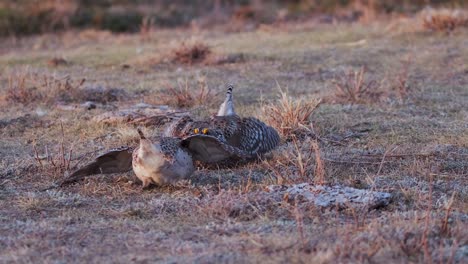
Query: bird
x,y
248,135
162,163
225,138
159,160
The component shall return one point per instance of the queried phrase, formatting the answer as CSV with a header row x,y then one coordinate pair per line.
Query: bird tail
x,y
227,107
142,136
230,87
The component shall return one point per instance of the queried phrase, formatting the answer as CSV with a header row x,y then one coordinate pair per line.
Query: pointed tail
x,y
227,107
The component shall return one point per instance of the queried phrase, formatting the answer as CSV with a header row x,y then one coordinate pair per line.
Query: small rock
x,y
326,196
89,105
41,112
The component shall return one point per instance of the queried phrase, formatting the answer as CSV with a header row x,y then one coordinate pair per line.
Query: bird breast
x,y
151,164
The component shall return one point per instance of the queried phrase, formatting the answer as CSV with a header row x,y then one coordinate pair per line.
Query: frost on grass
x,y
325,196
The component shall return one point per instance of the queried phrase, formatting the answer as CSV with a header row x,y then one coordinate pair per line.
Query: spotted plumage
x,y
222,139
248,135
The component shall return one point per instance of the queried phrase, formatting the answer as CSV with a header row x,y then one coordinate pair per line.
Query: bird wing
x,y
209,149
114,161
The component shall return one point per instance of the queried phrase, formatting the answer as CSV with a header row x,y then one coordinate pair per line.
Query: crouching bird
x,y
222,139
162,163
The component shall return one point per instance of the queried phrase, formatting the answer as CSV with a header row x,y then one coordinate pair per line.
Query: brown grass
x,y
401,86
57,61
184,95
28,87
54,161
353,87
191,53
319,171
226,215
445,20
291,117
297,161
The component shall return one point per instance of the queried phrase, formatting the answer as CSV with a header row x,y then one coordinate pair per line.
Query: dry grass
x,y
54,161
319,171
28,87
401,86
32,202
445,20
415,150
57,61
353,87
184,95
196,52
296,162
291,117
191,53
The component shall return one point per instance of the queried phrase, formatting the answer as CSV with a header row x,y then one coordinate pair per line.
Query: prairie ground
x,y
393,118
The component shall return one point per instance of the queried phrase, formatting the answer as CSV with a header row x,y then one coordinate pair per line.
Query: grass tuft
x,y
353,87
191,53
26,87
31,88
186,96
291,117
56,161
445,20
297,162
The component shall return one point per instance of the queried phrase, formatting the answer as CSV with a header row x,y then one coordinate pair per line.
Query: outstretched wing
x,y
114,161
210,149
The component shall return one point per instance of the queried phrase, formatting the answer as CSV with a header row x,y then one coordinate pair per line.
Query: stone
x,y
331,196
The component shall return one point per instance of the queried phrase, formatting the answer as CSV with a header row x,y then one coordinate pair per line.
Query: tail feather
x,y
142,136
227,107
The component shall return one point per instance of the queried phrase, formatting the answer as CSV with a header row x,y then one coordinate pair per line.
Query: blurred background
x,y
26,17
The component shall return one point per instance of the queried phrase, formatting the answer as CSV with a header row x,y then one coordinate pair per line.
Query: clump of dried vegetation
x,y
57,61
444,19
184,95
291,117
195,52
353,87
297,162
28,88
191,53
56,161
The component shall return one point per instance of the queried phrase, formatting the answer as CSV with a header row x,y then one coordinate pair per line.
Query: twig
x,y
383,159
352,162
37,156
400,155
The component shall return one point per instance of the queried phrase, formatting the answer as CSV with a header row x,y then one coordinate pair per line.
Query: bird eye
x,y
205,131
196,130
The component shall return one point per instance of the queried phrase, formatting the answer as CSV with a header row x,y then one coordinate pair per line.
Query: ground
x,y
406,135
